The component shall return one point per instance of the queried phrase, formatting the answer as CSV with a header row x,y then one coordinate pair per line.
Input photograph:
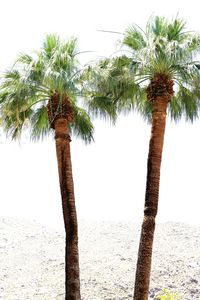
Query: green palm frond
x,y
158,26
15,121
175,30
50,45
160,29
184,103
110,84
135,38
25,59
82,126
103,107
39,123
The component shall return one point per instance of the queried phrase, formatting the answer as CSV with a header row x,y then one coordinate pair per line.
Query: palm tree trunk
x,y
143,269
72,280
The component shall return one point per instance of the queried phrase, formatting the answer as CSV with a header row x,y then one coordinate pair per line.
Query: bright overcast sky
x,y
109,175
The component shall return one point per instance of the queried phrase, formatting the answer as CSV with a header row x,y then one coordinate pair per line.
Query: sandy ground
x,y
32,260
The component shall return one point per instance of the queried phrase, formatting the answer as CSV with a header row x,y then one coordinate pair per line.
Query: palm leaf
x,y
82,126
40,126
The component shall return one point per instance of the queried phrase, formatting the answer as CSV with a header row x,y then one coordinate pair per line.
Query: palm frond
x,y
110,85
186,104
24,59
102,106
135,38
39,124
158,26
14,122
175,30
82,126
50,44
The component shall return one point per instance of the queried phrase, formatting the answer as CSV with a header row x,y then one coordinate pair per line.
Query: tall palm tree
x,y
41,92
159,75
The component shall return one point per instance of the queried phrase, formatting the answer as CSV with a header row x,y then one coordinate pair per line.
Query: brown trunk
x,y
143,269
72,280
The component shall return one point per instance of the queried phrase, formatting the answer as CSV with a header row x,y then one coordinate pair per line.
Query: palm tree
x,y
159,74
41,92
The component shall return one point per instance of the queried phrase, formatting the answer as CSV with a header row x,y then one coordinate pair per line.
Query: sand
x,y
32,260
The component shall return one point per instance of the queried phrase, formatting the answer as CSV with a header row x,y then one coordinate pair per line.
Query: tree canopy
x,y
28,86
163,49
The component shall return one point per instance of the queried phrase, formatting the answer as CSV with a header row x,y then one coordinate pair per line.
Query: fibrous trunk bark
x,y
143,268
72,280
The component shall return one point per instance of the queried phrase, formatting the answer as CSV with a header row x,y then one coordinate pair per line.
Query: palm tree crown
x,y
163,56
159,59
42,87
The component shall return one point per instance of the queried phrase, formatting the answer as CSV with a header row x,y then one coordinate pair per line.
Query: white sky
x,y
110,175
